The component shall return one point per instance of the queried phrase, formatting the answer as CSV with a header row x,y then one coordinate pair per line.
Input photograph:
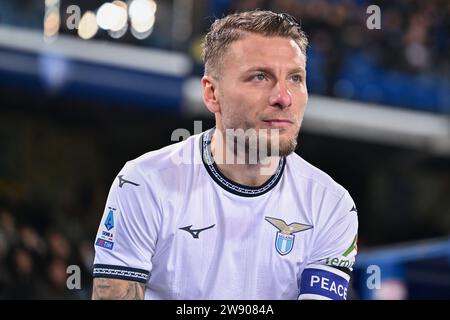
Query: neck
x,y
237,167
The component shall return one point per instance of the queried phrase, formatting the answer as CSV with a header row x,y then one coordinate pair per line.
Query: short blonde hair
x,y
234,26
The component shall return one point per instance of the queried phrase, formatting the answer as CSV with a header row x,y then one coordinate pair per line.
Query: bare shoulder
x,y
117,289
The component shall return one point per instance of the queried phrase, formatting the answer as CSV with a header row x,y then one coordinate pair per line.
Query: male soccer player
x,y
184,222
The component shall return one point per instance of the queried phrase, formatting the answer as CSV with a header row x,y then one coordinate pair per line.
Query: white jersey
x,y
175,223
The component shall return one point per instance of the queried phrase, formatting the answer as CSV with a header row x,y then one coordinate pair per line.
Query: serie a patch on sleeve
x,y
105,235
324,283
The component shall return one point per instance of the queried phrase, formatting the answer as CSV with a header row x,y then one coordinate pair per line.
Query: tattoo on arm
x,y
117,289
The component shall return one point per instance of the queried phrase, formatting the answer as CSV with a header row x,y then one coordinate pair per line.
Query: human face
x,y
262,85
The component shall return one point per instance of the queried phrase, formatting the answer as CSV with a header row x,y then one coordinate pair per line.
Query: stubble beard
x,y
255,148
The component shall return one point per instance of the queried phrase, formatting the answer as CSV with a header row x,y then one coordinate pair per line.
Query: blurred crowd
x,y
414,34
345,58
34,263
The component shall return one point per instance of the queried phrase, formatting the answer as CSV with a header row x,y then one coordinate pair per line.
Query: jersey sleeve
x,y
127,235
327,273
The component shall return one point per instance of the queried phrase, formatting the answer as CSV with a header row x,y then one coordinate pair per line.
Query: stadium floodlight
x,y
142,15
120,19
141,8
87,27
105,16
142,26
51,23
52,20
111,17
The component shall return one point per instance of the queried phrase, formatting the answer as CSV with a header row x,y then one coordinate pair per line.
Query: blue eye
x,y
297,78
260,77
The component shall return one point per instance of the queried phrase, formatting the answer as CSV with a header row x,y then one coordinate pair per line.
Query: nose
x,y
281,97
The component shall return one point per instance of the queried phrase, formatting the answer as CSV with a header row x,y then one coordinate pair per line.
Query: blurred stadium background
x,y
77,103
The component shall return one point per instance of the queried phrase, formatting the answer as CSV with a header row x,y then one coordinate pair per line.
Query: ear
x,y
210,94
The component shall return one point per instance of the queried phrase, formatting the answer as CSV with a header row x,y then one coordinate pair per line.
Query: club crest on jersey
x,y
284,240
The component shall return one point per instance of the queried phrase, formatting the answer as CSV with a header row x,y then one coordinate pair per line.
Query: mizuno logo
x,y
195,232
122,181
